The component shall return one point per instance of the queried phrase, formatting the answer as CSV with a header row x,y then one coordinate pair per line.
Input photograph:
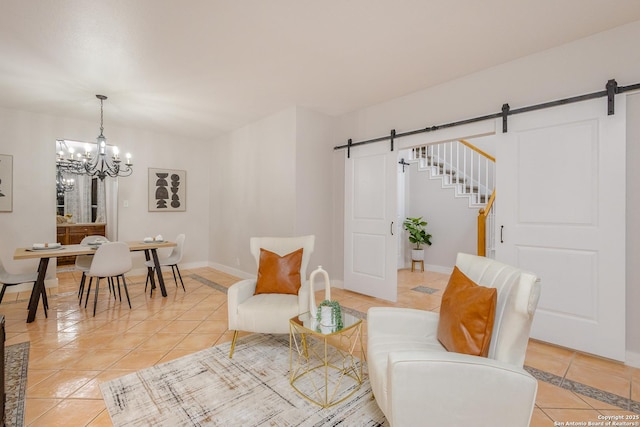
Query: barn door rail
x,y
611,89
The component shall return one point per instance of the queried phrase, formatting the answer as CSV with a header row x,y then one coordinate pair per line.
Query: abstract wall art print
x,y
167,190
6,183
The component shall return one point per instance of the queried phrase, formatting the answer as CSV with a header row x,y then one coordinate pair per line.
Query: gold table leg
x,y
312,360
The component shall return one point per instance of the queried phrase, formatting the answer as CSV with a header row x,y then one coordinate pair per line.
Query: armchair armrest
x,y
452,389
401,321
236,295
303,297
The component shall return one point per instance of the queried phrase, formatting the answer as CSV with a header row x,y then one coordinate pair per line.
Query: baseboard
x,y
431,267
439,268
230,270
142,271
338,284
632,359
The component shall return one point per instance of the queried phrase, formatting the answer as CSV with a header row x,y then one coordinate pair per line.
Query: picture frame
x,y
6,183
167,190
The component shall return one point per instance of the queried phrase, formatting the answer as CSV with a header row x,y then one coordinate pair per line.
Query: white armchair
x,y
416,381
269,312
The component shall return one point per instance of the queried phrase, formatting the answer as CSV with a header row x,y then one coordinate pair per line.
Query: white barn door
x,y
561,214
370,246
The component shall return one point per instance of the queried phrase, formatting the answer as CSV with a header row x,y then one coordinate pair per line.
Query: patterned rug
x,y
252,389
16,360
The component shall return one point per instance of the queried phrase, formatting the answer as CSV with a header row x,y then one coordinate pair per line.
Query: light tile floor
x,y
71,352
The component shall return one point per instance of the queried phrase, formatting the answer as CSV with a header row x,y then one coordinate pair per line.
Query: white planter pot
x,y
417,254
325,316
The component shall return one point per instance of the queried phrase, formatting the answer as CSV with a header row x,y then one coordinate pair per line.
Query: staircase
x,y
466,169
470,172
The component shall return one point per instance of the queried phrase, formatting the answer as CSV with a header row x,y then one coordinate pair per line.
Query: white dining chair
x,y
11,279
111,260
172,261
83,262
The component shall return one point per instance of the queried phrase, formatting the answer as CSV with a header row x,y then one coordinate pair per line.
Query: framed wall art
x,y
167,190
6,183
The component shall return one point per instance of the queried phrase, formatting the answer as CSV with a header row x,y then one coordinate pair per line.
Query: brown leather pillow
x,y
467,314
279,274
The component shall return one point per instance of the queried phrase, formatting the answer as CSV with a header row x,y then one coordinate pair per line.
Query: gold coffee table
x,y
322,364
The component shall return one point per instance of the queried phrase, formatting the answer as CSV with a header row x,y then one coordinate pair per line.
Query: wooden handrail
x,y
482,225
477,150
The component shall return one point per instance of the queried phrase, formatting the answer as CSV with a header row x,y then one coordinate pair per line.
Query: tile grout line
x,y
585,390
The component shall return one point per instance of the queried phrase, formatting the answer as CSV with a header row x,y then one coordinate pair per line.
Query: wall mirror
x,y
81,198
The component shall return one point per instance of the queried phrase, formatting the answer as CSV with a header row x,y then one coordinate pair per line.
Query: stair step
x,y
440,165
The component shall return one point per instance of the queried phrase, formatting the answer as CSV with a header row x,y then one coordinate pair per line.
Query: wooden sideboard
x,y
72,234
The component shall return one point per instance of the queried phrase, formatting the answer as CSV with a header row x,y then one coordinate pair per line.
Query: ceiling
x,y
199,68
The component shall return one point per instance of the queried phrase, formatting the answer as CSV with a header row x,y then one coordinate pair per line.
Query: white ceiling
x,y
199,68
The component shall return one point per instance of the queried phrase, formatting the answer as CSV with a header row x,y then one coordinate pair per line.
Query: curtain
x,y
101,203
79,203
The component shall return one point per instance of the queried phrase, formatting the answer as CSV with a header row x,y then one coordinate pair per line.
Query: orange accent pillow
x,y
467,314
279,274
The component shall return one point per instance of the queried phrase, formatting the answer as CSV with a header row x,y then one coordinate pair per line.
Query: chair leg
x,y
112,288
233,343
4,288
124,282
150,271
86,300
119,291
173,270
95,301
180,276
82,282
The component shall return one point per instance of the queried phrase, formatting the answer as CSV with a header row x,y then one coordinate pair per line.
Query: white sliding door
x,y
561,214
370,221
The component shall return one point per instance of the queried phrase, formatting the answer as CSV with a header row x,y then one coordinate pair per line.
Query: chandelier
x,y
63,184
100,163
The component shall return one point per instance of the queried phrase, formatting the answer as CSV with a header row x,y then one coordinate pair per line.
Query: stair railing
x,y
460,165
470,171
486,220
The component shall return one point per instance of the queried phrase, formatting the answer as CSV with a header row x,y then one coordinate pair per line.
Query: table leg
x,y
150,271
37,290
156,262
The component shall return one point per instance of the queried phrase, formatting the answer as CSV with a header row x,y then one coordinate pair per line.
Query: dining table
x,y
45,254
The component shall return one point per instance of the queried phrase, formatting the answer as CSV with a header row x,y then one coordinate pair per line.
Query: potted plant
x,y
417,235
330,314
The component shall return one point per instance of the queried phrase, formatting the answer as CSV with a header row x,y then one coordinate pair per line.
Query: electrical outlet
x,y
237,261
125,204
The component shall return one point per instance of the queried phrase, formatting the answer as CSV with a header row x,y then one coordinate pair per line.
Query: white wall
x,y
30,138
252,189
314,200
573,69
452,224
272,178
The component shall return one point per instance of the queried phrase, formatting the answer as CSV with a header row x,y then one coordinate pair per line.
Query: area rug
x,y
252,389
16,360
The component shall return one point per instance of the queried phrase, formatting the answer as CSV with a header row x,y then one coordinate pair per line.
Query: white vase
x,y
326,319
417,254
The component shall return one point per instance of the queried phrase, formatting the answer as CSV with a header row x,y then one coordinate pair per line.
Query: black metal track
x,y
611,90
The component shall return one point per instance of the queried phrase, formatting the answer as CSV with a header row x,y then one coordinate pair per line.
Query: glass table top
x,y
311,324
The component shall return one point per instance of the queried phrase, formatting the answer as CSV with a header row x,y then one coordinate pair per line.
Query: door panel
x,y
370,210
561,188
